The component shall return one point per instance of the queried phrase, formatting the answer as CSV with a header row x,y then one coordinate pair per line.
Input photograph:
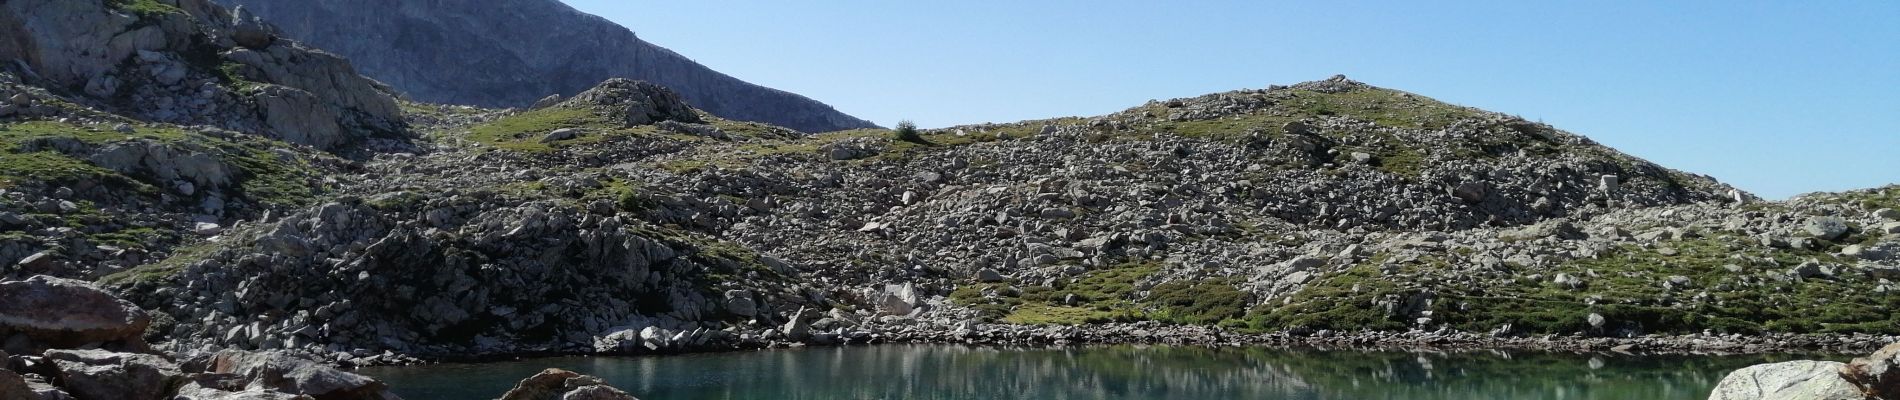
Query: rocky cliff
x,y
512,53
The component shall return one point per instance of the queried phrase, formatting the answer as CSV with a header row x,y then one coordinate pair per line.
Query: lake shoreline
x,y
1007,335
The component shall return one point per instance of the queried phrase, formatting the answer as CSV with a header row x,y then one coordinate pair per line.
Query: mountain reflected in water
x,y
1109,372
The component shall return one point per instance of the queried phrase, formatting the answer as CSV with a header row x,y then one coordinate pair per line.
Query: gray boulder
x,y
739,302
1471,192
64,313
1793,380
1825,228
284,373
561,134
104,375
898,299
988,275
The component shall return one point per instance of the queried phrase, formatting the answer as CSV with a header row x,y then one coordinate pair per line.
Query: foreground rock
x,y
45,312
282,373
1878,375
1793,380
88,347
560,384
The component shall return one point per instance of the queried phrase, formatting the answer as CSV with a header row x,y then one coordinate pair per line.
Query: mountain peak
x,y
509,54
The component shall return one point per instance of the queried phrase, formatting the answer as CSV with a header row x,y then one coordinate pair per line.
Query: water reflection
x,y
1112,372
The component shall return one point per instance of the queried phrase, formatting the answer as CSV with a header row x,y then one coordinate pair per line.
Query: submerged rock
x,y
560,384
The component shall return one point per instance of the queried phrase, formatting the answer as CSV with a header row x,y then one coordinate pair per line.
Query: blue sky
x,y
1778,98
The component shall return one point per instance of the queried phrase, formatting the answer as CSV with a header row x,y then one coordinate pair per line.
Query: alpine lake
x,y
1102,372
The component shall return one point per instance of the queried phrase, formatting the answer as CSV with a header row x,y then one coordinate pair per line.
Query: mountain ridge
x,y
511,54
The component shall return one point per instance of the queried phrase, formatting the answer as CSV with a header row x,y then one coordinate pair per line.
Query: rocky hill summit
x,y
608,224
513,53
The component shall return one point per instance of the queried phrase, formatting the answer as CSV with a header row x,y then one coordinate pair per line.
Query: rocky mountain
x,y
513,53
189,182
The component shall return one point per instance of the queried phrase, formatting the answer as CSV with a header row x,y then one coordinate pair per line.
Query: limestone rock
x,y
1793,380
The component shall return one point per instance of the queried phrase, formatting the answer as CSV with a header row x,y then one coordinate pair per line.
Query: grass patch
x,y
262,174
143,8
523,131
1625,285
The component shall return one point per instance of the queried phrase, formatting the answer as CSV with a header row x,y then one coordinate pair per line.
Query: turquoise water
x,y
1107,372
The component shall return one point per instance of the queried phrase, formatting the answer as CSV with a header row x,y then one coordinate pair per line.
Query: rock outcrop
x,y
193,62
511,54
560,384
634,103
58,325
45,312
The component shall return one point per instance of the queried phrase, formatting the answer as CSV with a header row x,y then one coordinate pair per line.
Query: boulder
x,y
13,386
561,134
249,30
105,375
1471,192
1610,183
898,299
64,313
799,327
284,373
1793,380
560,384
1825,228
988,275
1887,214
740,303
1877,375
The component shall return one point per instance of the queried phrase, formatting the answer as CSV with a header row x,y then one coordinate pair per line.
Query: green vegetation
x,y
524,131
180,258
626,196
1348,300
262,174
1627,287
1107,295
1872,199
907,132
143,8
1389,108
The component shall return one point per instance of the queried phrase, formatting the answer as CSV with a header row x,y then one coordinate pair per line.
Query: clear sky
x,y
1778,98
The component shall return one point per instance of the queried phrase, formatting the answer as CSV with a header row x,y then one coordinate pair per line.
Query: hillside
x,y
513,53
284,202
